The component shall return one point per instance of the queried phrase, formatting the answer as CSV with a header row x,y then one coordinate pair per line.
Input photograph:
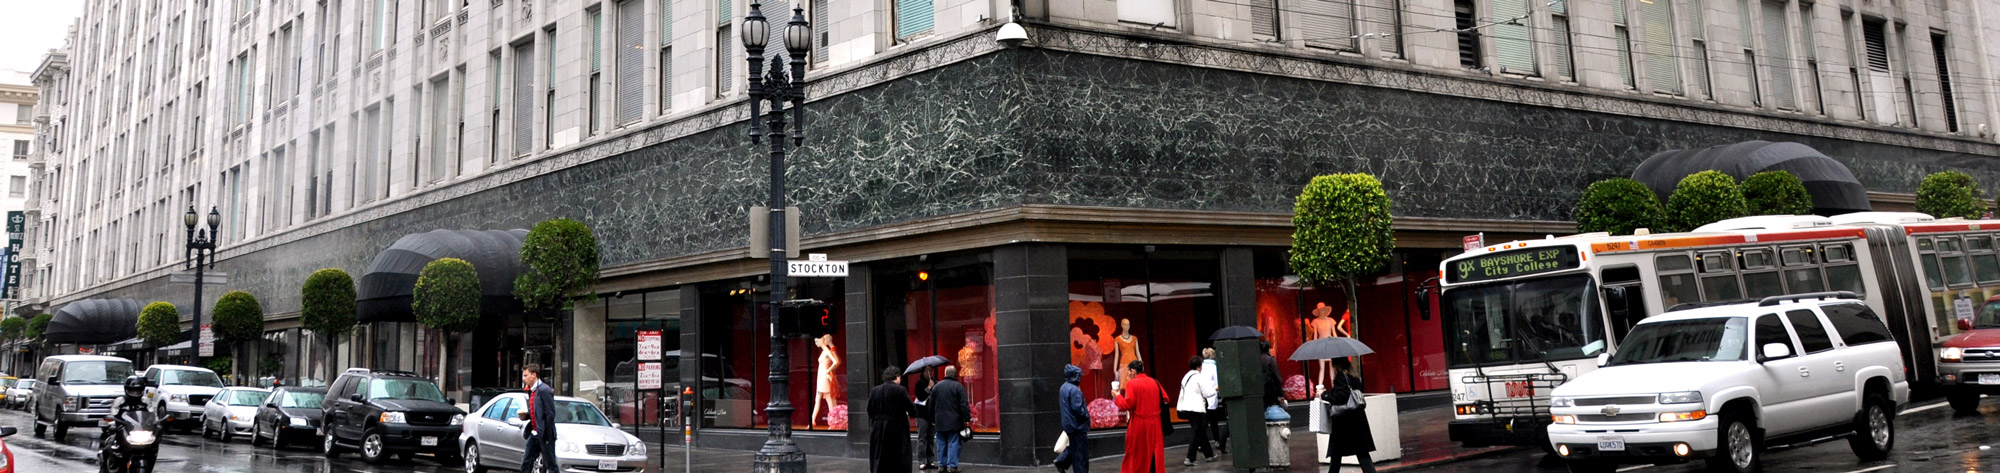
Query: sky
x,y
30,28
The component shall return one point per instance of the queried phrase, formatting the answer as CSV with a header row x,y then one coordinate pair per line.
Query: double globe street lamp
x,y
781,88
200,248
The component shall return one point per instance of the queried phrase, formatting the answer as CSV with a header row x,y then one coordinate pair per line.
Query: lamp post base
x,y
793,461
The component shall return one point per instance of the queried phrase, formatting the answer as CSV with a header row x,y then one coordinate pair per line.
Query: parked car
x,y
20,393
7,453
290,413
6,384
1969,363
77,390
1721,382
383,413
230,413
178,393
585,440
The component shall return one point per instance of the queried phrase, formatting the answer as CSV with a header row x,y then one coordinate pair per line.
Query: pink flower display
x,y
837,418
1296,389
1103,414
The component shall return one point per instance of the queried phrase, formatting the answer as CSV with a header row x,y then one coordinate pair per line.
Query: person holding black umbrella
x,y
1349,434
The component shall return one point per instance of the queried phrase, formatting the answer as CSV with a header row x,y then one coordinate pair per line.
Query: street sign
x,y
207,342
649,375
1475,241
211,278
649,345
816,269
17,228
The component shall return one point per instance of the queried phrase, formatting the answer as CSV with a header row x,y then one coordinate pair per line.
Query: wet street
x,y
188,452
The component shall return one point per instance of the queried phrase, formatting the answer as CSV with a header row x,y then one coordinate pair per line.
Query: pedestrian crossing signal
x,y
806,318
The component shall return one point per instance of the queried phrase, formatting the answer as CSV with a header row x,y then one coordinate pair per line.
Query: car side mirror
x,y
1964,324
1424,303
615,426
53,382
449,401
8,431
356,397
1603,359
1773,351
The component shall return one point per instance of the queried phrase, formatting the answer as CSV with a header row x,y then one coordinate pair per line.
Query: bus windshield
x,y
1513,322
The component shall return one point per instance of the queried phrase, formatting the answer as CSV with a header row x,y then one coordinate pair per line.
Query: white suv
x,y
1723,381
178,393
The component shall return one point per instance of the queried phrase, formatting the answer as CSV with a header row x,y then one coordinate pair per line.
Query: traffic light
x,y
806,318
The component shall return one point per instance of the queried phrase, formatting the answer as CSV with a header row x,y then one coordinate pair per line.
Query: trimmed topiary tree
x,y
13,328
37,327
1950,194
446,299
327,308
1342,230
238,319
1703,198
1617,206
1776,193
160,324
559,258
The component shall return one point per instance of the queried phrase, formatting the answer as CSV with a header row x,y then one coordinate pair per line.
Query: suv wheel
x,y
1738,448
1874,429
330,448
1963,401
372,449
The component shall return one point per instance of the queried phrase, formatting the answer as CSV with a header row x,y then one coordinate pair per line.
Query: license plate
x,y
607,465
1610,443
429,441
1989,378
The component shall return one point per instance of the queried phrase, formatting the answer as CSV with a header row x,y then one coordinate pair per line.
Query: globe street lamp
x,y
781,88
200,248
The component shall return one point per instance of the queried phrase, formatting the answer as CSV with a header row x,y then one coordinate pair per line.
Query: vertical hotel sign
x,y
17,224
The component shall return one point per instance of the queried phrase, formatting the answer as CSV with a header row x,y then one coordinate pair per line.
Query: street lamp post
x,y
200,249
781,88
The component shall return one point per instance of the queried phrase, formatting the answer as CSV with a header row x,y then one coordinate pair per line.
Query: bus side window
x,y
1625,279
1985,264
1846,277
1676,280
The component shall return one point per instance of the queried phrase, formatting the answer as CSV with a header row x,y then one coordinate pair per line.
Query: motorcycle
x,y
130,443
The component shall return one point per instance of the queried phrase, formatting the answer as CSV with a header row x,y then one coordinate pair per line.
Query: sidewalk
x,y
1425,443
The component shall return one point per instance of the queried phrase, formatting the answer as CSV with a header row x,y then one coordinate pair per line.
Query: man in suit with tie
x,y
541,428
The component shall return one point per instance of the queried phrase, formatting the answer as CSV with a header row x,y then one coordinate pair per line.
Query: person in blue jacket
x,y
1075,422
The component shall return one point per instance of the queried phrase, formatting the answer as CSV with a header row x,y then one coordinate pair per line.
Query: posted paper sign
x,y
649,345
649,375
207,341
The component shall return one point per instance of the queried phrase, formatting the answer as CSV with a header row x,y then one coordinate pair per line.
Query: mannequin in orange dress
x,y
828,387
1323,325
1127,350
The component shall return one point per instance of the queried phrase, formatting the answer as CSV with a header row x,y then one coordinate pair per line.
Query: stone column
x,y
690,362
862,372
1032,308
1239,288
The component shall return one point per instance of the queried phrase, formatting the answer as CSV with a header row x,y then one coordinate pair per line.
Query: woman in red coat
x,y
1145,451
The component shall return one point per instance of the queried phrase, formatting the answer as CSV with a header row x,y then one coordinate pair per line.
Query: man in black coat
x,y
541,416
951,410
889,420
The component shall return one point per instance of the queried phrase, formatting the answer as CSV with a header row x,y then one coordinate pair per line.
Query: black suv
x,y
382,413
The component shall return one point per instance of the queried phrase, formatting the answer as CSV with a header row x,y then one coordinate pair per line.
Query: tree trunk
x,y
1353,315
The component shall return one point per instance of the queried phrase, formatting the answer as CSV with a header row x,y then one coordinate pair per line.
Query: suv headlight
x,y
1951,354
392,417
457,419
1562,402
139,437
1685,397
180,398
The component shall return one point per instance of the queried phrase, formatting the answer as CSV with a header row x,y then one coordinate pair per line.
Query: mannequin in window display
x,y
968,357
1127,349
827,386
1323,325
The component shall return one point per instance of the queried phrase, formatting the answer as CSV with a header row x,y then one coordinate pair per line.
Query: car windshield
x,y
400,388
96,372
8,383
26,384
1553,318
1717,339
247,398
189,378
305,400
1989,316
573,412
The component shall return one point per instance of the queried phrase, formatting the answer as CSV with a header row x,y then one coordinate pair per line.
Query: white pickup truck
x,y
1721,382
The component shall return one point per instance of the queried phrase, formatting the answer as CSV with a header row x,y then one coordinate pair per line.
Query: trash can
x,y
1278,431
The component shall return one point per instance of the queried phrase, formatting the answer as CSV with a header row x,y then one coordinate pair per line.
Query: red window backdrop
x,y
1409,350
1164,300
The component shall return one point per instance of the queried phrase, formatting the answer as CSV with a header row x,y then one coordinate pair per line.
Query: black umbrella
x,y
94,321
1234,332
1833,187
924,363
1329,348
383,293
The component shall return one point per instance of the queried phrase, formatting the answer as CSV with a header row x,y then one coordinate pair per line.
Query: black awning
x,y
383,295
94,321
1834,189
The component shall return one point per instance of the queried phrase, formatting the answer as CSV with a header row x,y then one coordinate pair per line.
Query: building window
x,y
1466,21
1622,32
1324,23
1778,51
822,26
24,114
1126,304
666,56
596,81
631,57
619,320
17,186
725,60
1154,13
942,307
20,150
736,353
1940,51
1695,14
1663,72
1514,36
443,117
914,18
524,98
549,97
1811,53
1389,22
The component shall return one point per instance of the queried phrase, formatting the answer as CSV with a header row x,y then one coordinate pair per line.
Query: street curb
x,y
1467,456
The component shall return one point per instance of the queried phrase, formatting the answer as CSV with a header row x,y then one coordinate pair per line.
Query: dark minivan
x,y
383,413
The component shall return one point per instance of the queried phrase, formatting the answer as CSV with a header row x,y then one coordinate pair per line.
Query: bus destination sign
x,y
1507,264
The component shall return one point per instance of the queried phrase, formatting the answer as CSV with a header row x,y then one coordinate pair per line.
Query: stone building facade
x,y
1134,160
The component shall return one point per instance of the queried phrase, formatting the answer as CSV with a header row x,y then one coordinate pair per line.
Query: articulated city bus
x,y
1523,317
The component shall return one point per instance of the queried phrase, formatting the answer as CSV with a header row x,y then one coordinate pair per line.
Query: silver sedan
x,y
585,440
232,412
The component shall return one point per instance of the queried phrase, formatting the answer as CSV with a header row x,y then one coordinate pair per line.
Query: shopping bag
x,y
1062,443
1319,423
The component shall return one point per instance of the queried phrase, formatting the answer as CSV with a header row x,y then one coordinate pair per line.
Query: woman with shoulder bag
x,y
1348,424
1193,406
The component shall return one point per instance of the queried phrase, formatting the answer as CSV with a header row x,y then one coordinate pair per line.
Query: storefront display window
x,y
944,308
609,376
736,358
1138,303
1409,348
